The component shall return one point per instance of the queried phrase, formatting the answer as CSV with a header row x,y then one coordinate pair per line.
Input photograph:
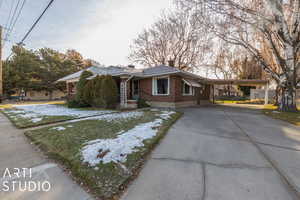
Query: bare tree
x,y
246,23
225,62
176,36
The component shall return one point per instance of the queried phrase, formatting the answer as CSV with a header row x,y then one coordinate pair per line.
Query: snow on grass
x,y
55,110
58,128
117,149
114,116
36,112
36,119
166,114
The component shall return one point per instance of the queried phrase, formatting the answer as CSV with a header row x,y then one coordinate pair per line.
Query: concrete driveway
x,y
223,153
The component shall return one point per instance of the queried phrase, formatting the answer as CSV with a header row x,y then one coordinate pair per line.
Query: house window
x,y
161,86
187,89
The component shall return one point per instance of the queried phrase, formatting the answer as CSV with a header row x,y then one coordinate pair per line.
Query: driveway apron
x,y
219,153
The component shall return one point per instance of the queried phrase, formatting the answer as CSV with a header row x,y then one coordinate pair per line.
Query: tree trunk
x,y
228,90
276,97
50,95
287,99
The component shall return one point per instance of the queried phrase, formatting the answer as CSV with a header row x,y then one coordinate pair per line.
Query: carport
x,y
242,82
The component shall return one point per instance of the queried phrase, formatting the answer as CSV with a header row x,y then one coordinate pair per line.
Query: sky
x,y
102,30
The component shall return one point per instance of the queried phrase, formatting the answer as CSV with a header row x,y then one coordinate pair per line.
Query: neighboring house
x,y
44,95
37,95
159,86
227,90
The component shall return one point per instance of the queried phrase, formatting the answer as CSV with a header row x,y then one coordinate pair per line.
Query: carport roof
x,y
245,82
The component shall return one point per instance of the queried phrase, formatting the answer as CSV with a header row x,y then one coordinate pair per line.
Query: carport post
x,y
267,94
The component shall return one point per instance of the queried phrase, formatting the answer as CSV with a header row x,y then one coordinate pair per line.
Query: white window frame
x,y
192,89
154,85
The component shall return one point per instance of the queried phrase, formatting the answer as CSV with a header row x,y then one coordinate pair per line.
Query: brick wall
x,y
175,91
146,91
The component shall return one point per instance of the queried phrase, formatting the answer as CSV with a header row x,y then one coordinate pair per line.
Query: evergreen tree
x,y
89,92
109,91
98,97
80,87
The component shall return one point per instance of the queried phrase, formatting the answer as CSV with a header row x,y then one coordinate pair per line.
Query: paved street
x,y
17,152
223,153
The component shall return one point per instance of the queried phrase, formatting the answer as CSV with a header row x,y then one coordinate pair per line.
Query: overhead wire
x,y
8,19
11,29
35,23
33,26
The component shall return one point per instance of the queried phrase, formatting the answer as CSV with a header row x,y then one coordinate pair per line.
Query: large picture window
x,y
161,86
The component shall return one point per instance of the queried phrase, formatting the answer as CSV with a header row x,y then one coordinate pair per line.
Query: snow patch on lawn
x,y
275,112
166,114
55,110
36,119
117,149
58,128
114,116
36,112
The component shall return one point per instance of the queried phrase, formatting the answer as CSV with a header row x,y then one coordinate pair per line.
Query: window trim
x,y
154,85
192,89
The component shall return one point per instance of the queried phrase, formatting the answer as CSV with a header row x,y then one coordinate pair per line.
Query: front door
x,y
135,89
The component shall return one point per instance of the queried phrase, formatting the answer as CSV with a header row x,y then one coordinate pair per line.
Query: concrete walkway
x,y
223,153
17,152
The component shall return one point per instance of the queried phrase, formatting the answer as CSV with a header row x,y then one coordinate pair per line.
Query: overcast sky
x,y
99,29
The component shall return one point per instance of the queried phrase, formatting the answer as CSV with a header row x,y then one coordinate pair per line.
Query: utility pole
x,y
1,69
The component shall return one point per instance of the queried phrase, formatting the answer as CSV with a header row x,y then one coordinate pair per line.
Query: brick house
x,y
159,86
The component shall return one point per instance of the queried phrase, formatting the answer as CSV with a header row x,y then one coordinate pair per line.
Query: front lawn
x,y
105,152
291,117
30,115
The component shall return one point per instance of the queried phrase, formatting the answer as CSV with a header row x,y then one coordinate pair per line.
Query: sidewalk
x,y
17,152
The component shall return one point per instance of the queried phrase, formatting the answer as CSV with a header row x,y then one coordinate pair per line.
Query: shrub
x,y
73,103
97,92
89,92
141,103
80,86
109,92
231,98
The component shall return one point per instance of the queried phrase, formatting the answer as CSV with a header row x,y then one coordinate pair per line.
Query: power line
x,y
8,18
12,20
14,14
16,19
10,11
35,23
32,27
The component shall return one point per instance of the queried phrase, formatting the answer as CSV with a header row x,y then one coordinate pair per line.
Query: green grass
x,y
291,117
110,179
